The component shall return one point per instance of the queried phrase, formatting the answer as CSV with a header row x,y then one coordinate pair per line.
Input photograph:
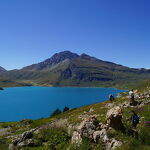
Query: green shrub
x,y
87,145
56,112
144,136
56,139
26,121
3,144
66,109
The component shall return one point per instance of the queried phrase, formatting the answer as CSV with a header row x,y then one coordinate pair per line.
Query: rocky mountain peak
x,y
60,57
54,60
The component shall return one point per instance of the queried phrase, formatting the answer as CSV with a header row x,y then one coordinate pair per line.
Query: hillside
x,y
87,128
70,69
11,83
2,69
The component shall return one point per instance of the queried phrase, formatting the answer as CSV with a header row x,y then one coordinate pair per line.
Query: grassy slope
x,y
11,83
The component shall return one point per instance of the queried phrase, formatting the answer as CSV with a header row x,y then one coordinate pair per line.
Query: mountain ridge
x,y
70,69
54,60
2,69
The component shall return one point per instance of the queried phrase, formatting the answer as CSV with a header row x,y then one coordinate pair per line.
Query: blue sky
x,y
113,30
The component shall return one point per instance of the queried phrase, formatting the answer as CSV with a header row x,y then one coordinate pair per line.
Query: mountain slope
x,y
2,69
54,60
69,69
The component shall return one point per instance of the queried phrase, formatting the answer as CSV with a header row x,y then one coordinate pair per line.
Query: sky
x,y
112,30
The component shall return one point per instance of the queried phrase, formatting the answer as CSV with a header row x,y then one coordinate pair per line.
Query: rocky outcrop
x,y
94,130
22,140
114,118
113,144
88,127
76,138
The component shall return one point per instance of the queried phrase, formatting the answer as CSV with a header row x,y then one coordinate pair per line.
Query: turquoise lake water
x,y
39,102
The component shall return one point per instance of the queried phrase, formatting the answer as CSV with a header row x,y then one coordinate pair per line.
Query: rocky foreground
x,y
105,126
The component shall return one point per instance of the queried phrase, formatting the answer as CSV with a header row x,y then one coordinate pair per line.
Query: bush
x,y
144,136
56,139
66,109
56,112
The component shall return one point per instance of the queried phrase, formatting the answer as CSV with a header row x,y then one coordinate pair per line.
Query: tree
x,y
56,112
66,109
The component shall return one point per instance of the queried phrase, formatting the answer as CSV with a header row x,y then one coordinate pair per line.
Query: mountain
x,y
54,60
2,69
70,69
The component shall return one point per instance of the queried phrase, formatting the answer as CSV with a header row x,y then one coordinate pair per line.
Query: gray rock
x,y
92,129
76,138
114,118
27,142
113,144
12,147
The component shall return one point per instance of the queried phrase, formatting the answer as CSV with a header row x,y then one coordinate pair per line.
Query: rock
x,y
100,135
125,104
110,144
12,147
84,115
93,130
22,140
91,110
114,118
27,142
76,138
109,105
71,128
88,126
27,135
113,144
105,126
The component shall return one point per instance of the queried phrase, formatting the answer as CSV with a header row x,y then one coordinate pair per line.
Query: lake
x,y
37,102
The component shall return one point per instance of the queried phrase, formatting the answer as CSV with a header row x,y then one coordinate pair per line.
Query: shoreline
x,y
65,87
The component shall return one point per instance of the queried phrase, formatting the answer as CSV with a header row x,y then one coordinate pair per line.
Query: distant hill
x,y
70,69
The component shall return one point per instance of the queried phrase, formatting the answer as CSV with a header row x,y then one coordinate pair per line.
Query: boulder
x,y
27,142
92,129
109,144
76,138
102,134
22,140
91,110
27,135
126,104
114,118
88,126
12,147
113,144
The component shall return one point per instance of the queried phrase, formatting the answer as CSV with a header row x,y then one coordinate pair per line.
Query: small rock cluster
x,y
91,128
22,140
